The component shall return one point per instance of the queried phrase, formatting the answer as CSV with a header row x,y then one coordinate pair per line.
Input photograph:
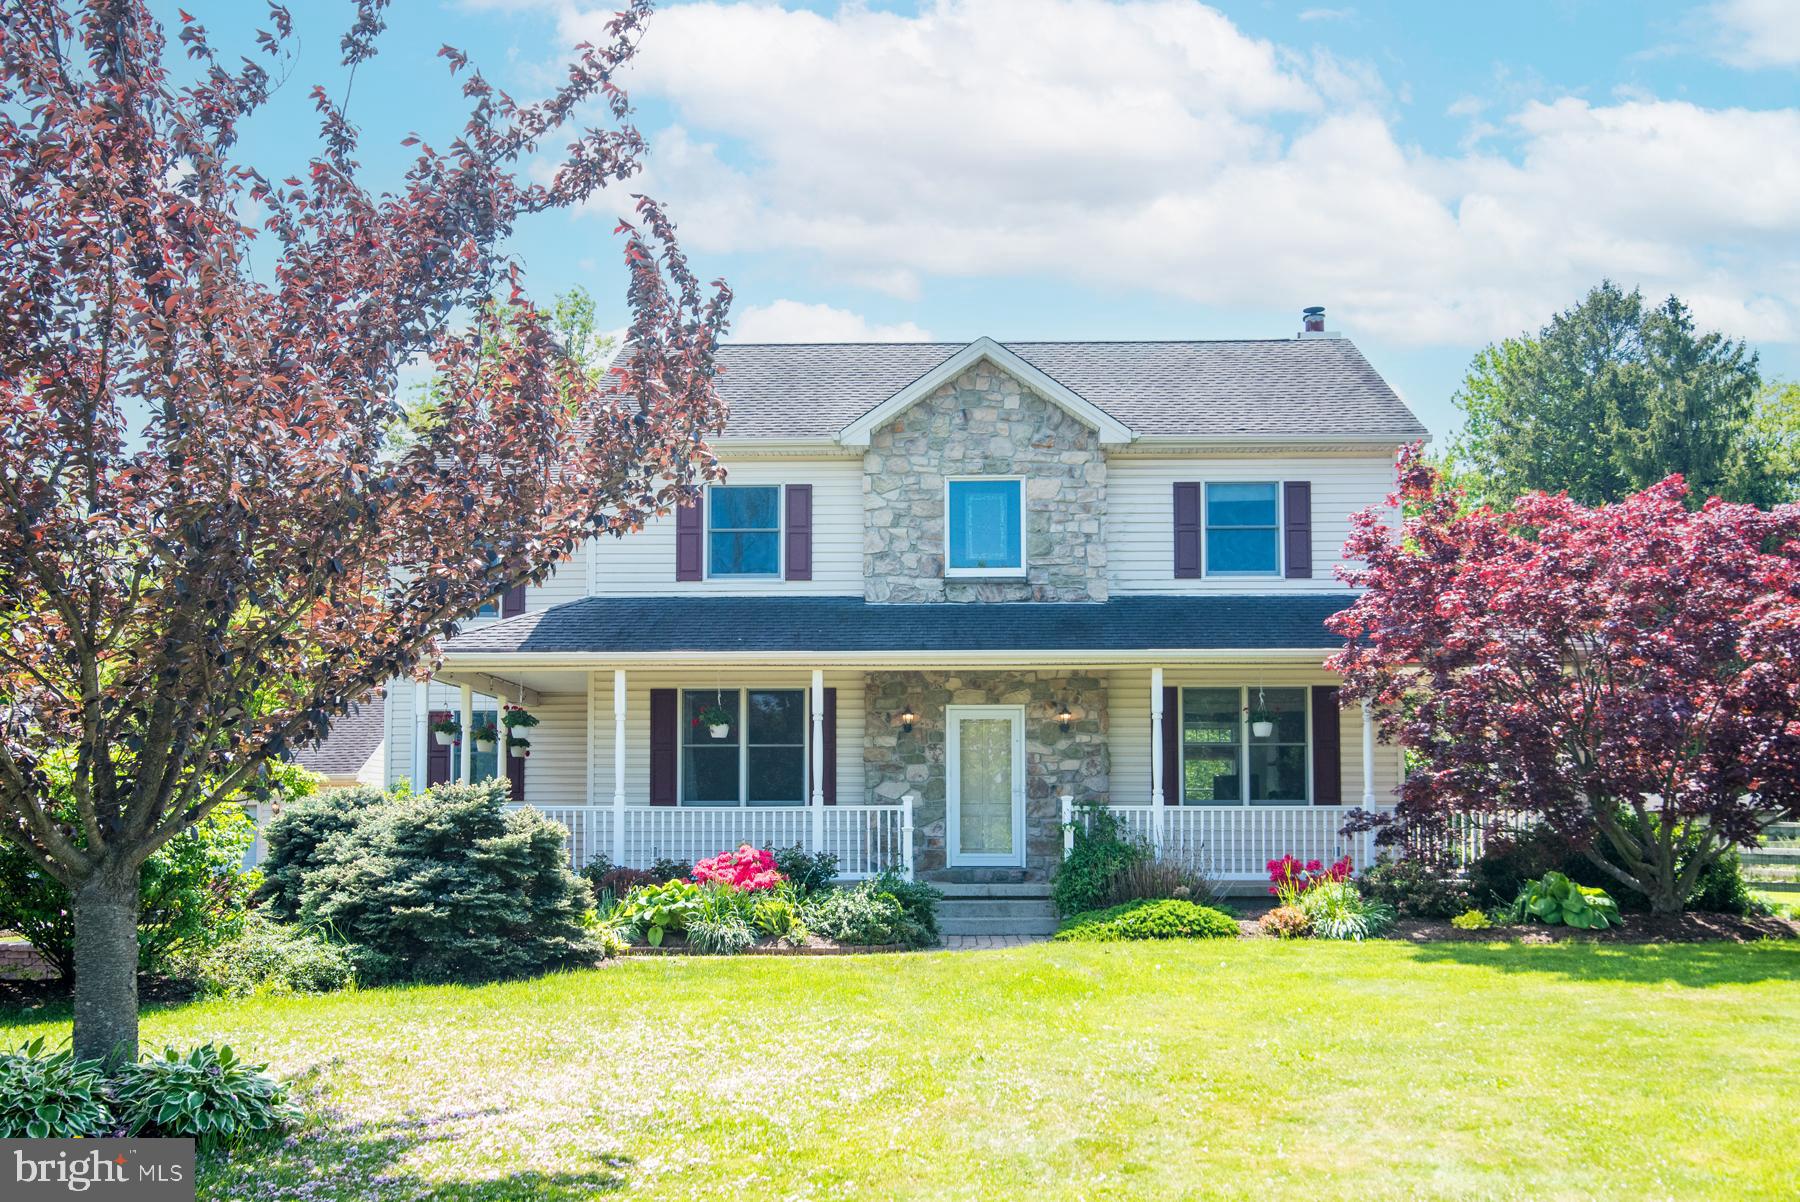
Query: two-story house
x,y
944,592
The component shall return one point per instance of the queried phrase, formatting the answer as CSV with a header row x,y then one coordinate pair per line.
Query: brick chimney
x,y
1312,323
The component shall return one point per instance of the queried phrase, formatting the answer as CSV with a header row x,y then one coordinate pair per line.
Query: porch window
x,y
1243,529
486,764
984,527
1225,762
744,530
760,760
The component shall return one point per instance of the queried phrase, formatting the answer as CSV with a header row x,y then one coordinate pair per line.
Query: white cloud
x,y
796,321
1153,145
1756,33
1327,14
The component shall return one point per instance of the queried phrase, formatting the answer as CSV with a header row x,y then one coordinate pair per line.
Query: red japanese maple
x,y
1628,673
221,526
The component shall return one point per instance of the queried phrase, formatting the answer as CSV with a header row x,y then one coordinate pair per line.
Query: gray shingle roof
x,y
353,739
709,624
1285,386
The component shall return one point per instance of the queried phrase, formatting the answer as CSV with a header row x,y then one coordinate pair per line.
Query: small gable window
x,y
985,527
744,530
1243,529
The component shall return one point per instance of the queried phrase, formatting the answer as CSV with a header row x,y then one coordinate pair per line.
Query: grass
x,y
1214,1070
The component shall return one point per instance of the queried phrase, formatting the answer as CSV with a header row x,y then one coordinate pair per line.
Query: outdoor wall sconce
x,y
907,718
1064,718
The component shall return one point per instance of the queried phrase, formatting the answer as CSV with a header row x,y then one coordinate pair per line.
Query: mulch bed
x,y
1638,928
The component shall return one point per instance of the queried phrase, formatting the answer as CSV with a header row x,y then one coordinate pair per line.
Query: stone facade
x,y
898,762
984,423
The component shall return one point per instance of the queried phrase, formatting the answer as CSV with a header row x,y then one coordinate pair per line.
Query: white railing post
x,y
1068,824
906,834
618,810
818,761
465,769
1156,759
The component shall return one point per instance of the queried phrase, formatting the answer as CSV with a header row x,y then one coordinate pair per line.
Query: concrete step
x,y
996,907
952,925
964,889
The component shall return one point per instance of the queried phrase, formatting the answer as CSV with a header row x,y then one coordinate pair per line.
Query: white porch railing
x,y
1235,843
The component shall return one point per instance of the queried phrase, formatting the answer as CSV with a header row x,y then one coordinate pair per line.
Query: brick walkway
x,y
976,943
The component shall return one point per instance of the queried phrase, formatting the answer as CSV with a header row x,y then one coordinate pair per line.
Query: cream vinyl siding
x,y
556,773
644,563
1140,515
1128,698
638,683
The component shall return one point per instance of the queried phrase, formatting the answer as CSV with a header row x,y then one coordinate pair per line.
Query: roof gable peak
x,y
1112,431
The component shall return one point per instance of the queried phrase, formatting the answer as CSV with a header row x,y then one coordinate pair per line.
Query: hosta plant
x,y
1337,911
1471,920
654,912
54,1096
209,1095
1555,899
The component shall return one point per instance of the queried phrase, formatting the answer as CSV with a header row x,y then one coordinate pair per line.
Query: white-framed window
x,y
759,760
984,526
1224,761
743,531
1243,528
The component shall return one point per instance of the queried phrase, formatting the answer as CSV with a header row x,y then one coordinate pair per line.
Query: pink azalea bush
x,y
748,868
1289,877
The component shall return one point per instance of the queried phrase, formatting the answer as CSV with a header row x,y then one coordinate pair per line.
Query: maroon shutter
x,y
515,777
1171,733
437,757
665,741
689,537
799,532
828,739
1187,531
1328,761
512,601
1296,512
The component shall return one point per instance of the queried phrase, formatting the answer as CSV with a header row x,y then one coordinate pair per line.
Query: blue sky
x,y
1437,175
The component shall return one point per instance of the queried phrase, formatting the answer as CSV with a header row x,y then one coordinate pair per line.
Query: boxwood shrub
x,y
1167,919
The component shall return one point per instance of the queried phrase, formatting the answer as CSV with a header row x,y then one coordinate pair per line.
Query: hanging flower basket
x,y
486,736
445,730
716,719
519,749
1262,723
517,717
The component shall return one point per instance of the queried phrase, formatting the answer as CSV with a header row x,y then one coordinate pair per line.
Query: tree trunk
x,y
106,964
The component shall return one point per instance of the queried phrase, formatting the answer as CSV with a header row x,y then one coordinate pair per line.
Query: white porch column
x,y
1156,758
618,839
421,733
1368,758
466,770
818,759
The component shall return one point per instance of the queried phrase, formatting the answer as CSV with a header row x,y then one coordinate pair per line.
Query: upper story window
x,y
985,527
744,530
1243,529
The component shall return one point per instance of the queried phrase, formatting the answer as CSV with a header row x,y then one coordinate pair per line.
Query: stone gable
x,y
984,423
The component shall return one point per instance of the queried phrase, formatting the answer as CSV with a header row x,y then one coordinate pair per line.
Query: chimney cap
x,y
1314,310
1312,323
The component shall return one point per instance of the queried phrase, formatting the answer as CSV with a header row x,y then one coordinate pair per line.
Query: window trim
x,y
706,533
1018,573
1243,744
743,748
1207,571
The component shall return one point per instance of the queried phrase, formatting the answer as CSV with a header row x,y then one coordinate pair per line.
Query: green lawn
x,y
1214,1070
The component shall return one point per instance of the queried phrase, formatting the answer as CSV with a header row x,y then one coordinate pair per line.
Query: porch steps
x,y
982,909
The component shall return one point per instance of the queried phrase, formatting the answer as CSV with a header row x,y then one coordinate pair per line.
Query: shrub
x,y
719,921
615,883
1285,922
1414,887
1470,920
1289,878
778,915
1721,888
1101,851
450,886
208,1095
1169,918
1151,879
1557,900
1336,910
271,959
54,1096
654,912
918,899
747,868
808,872
1507,864
292,842
864,914
665,869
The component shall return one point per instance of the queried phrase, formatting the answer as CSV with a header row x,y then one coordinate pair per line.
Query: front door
x,y
985,785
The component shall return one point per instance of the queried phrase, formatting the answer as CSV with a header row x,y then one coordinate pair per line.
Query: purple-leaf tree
x,y
221,527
